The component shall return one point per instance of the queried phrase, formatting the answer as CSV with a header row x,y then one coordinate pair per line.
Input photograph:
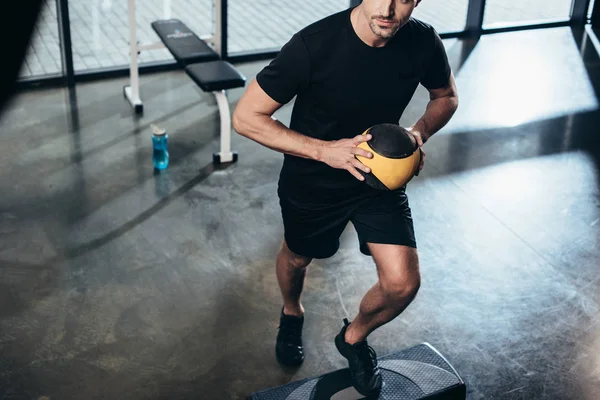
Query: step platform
x,y
418,372
185,45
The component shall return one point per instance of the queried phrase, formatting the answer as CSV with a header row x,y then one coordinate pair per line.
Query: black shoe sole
x,y
288,363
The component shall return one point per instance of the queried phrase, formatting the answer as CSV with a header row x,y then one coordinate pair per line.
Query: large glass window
x,y
261,25
100,29
444,15
43,55
509,12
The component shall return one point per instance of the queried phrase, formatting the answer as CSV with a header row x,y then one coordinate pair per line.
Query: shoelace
x,y
368,357
291,332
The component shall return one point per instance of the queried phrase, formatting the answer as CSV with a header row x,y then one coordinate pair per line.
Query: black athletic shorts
x,y
314,220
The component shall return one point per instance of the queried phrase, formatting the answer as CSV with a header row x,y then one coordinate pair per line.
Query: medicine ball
x,y
396,157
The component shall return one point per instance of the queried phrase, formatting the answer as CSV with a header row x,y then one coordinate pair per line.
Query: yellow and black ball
x,y
396,157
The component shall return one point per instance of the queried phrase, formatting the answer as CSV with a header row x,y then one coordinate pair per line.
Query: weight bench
x,y
201,63
204,66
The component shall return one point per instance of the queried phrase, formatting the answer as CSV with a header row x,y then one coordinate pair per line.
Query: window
x,y
511,12
444,15
267,25
100,29
43,56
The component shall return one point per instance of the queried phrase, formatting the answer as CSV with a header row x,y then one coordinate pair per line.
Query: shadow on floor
x,y
38,277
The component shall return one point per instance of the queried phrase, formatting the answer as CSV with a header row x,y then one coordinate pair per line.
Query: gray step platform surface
x,y
418,372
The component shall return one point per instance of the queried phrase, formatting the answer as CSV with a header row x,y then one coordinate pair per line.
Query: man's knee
x,y
400,287
398,268
293,259
297,261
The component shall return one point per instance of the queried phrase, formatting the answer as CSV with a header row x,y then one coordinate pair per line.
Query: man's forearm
x,y
437,114
273,134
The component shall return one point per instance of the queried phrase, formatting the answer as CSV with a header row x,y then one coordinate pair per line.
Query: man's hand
x,y
341,154
419,138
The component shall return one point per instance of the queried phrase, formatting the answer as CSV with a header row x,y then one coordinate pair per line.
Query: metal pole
x,y
132,92
579,10
595,20
218,26
475,15
220,7
225,151
223,39
167,9
64,29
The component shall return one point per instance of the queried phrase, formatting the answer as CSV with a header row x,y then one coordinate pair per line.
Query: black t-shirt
x,y
344,86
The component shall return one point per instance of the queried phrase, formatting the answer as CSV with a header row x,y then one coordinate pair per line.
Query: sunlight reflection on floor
x,y
532,93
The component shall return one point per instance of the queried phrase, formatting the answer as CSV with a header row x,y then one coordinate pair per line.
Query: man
x,y
349,71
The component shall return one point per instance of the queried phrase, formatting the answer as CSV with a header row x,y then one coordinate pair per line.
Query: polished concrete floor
x,y
119,283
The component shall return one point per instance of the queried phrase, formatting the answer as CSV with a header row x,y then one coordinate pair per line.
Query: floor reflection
x,y
515,78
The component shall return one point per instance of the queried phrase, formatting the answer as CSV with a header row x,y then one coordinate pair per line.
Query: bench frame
x,y
132,91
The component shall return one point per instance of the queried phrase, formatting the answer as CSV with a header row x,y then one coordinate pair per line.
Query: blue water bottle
x,y
160,153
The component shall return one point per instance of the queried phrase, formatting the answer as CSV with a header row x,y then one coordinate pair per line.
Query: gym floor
x,y
119,283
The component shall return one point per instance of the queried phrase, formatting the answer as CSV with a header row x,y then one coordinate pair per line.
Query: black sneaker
x,y
289,349
362,361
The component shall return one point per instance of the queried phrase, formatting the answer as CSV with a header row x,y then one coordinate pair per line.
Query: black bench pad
x,y
215,75
185,45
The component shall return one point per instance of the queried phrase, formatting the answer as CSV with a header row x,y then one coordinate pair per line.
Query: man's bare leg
x,y
291,272
399,282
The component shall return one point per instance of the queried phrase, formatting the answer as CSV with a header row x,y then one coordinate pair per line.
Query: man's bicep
x,y
447,90
256,101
